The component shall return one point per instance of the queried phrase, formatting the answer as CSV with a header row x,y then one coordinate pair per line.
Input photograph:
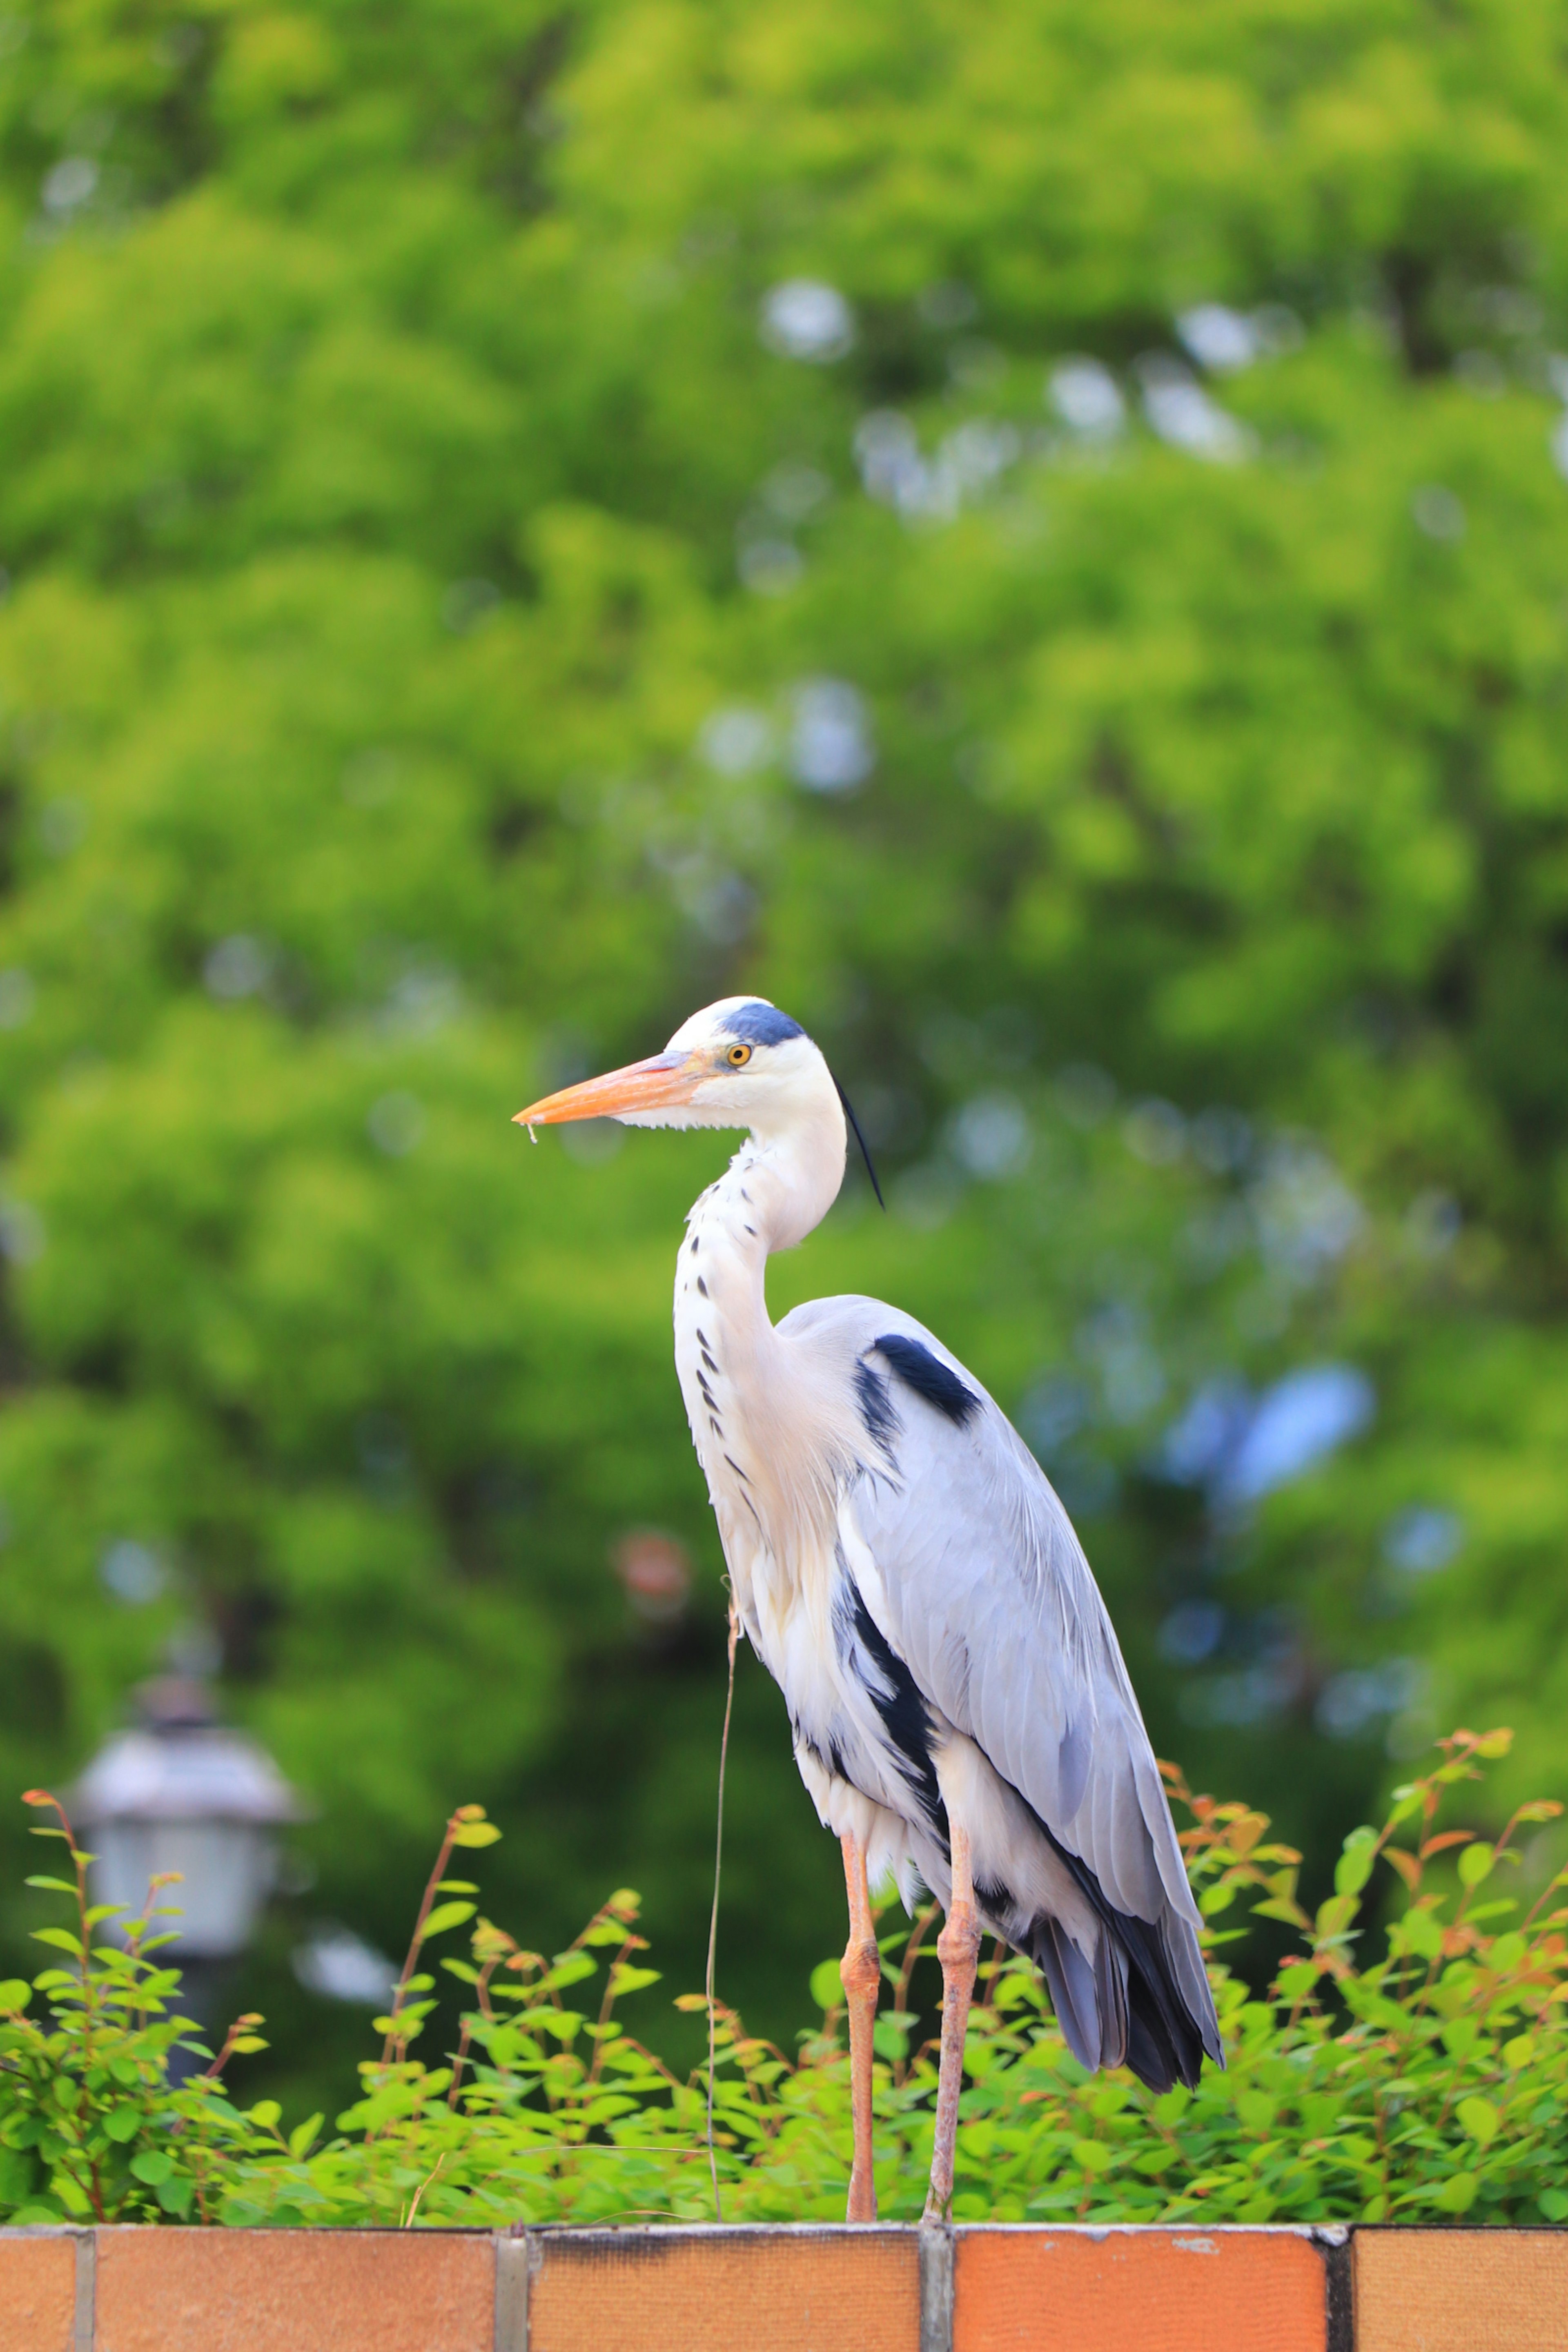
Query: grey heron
x,y
961,1712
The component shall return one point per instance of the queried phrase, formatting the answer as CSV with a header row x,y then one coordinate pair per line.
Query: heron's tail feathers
x,y
1142,2002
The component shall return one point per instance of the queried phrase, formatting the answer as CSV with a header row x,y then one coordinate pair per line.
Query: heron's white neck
x,y
740,1387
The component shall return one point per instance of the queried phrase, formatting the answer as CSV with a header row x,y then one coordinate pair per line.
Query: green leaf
x,y
1476,1864
1275,1907
1457,2194
16,1992
55,1885
891,2034
1334,1916
827,1985
301,2137
624,1978
1355,1865
123,2122
1479,2119
1422,1933
265,2114
477,1834
151,2165
569,1969
61,1938
447,1915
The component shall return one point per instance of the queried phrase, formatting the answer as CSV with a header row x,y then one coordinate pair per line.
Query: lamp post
x,y
179,1792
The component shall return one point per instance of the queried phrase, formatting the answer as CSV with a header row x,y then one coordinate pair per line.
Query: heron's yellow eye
x,y
738,1056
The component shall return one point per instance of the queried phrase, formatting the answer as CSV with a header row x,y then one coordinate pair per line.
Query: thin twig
x,y
922,1920
463,1814
464,2030
41,1797
632,1944
713,1921
245,2024
407,2222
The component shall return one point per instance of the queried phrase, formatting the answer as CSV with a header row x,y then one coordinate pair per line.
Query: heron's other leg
x,y
861,1971
958,1950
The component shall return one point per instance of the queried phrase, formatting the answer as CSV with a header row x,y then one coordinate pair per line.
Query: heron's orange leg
x,y
861,1971
958,1950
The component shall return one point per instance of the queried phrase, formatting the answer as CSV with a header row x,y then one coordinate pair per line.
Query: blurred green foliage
x,y
520,520
1422,2086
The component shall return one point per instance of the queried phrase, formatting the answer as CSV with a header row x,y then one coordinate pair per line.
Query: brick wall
x,y
783,2290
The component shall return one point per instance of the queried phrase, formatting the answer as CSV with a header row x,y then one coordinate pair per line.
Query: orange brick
x,y
167,2290
38,2290
1138,2291
1461,2290
779,2290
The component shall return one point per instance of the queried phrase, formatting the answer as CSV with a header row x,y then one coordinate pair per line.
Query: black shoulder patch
x,y
760,1025
876,1406
928,1376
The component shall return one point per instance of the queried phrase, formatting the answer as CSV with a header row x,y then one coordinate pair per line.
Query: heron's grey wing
x,y
978,1581
990,1601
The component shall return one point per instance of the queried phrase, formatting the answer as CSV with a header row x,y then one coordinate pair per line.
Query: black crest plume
x,y
849,1115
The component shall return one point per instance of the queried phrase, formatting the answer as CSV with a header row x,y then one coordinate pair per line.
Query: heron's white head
x,y
739,1063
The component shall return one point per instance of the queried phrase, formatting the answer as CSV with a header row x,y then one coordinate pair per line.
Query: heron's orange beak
x,y
663,1080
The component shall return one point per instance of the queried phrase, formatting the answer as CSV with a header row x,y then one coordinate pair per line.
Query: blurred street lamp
x,y
179,1792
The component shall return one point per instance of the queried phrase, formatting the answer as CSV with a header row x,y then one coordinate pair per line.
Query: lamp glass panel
x,y
226,1871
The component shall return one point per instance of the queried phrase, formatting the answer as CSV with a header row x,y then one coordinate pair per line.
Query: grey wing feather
x,y
991,1603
